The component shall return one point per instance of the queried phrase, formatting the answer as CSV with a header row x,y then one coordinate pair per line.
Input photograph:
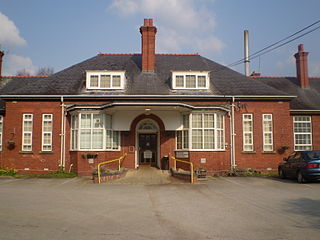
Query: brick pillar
x,y
1,56
302,67
148,40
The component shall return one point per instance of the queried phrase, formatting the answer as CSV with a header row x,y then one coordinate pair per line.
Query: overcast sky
x,y
61,33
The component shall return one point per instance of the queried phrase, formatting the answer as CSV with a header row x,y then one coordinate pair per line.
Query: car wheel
x,y
282,174
300,178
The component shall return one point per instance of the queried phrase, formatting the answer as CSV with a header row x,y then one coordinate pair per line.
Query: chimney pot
x,y
301,48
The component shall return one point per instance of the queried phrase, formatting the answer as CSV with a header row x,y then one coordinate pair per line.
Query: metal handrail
x,y
178,160
110,161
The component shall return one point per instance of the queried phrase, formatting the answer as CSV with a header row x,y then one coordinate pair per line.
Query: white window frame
x,y
76,133
1,131
197,74
185,133
218,132
43,145
100,73
306,146
74,138
247,147
265,120
24,132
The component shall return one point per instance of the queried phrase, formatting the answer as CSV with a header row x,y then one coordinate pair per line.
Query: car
x,y
302,165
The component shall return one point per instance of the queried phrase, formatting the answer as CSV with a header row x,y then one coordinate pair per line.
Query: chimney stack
x,y
1,56
302,67
148,37
246,53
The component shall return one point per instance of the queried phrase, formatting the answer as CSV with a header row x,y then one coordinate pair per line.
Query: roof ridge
x,y
34,76
169,54
270,77
177,54
112,54
278,77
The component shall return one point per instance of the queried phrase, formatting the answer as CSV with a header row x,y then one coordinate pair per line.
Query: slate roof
x,y
307,98
71,81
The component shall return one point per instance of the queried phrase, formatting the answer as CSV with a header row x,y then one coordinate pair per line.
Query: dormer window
x,y
190,80
105,79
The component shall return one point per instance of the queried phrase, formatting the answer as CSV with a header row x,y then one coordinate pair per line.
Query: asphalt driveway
x,y
220,208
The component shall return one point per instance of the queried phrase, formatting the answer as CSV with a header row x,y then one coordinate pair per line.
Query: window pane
x,y
191,81
105,81
197,120
27,138
186,139
109,139
47,138
116,81
94,81
85,139
201,81
179,81
28,126
47,126
97,120
196,139
85,121
179,139
108,122
208,120
185,120
97,139
208,139
116,139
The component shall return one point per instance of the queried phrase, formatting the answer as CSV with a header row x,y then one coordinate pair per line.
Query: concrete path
x,y
146,175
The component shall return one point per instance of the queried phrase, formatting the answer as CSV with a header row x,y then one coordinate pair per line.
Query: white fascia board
x,y
150,96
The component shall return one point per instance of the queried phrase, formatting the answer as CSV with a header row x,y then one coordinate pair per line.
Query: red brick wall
x,y
215,161
316,132
37,160
282,134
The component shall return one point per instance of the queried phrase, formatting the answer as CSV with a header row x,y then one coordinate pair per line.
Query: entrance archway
x,y
147,143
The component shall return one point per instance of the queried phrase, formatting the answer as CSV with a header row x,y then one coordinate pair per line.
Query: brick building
x,y
152,105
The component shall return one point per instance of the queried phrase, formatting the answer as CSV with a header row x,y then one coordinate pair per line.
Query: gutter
x,y
272,97
115,104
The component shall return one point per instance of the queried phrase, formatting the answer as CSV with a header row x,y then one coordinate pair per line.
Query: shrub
x,y
7,172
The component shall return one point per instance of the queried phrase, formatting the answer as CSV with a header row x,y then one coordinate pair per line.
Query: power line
x,y
275,45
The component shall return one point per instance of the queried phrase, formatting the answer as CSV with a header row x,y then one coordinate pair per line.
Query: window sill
x,y
46,152
268,152
25,152
249,152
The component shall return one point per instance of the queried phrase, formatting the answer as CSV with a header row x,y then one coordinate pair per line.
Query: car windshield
x,y
311,155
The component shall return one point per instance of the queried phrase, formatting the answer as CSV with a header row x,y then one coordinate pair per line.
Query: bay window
x,y
93,131
206,132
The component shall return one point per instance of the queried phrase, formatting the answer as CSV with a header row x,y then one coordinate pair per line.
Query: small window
x,y
27,126
47,132
267,132
105,80
302,133
247,124
190,80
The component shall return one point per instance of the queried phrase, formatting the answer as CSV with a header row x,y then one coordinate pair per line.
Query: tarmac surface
x,y
220,208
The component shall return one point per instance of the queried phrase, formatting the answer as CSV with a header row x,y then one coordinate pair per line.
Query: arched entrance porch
x,y
148,130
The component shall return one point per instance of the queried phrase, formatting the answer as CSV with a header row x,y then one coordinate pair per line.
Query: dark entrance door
x,y
147,149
